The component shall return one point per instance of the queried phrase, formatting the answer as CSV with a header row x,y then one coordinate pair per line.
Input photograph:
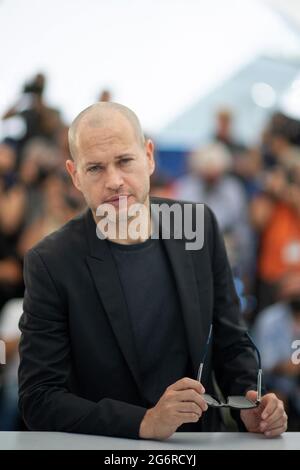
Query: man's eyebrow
x,y
118,157
93,163
123,155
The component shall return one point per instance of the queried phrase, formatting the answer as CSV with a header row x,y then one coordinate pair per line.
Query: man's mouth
x,y
115,200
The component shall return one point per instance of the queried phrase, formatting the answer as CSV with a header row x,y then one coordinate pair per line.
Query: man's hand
x,y
181,403
268,418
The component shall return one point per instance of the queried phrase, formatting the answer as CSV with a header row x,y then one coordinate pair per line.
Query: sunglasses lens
x,y
241,403
210,400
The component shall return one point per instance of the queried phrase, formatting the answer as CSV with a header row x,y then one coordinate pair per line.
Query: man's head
x,y
223,123
211,162
110,157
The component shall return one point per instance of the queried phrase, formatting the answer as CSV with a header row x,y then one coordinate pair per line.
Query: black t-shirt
x,y
155,313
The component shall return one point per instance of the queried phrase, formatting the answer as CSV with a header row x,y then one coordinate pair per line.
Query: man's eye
x,y
125,160
94,169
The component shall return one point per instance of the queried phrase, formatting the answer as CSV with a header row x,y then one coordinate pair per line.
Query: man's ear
x,y
72,170
150,155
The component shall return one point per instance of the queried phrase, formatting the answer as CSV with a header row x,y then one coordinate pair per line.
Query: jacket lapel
x,y
191,303
106,279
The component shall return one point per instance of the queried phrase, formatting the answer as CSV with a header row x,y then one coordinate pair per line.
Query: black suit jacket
x,y
78,365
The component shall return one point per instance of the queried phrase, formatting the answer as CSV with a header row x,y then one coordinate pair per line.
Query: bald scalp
x,y
99,115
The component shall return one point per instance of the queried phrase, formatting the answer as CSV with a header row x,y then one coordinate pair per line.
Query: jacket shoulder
x,y
69,238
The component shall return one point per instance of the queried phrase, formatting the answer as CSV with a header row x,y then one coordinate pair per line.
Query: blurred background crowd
x,y
253,188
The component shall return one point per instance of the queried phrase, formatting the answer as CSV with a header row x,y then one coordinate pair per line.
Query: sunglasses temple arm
x,y
204,355
200,372
259,375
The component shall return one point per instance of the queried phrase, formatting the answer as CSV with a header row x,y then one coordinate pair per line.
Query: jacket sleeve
x,y
45,401
234,358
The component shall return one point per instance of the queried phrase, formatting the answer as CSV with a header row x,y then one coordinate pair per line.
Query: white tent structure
x,y
289,9
267,83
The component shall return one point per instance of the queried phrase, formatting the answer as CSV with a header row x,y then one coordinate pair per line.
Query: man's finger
x,y
270,402
186,383
276,431
277,414
191,407
188,417
251,395
191,396
281,421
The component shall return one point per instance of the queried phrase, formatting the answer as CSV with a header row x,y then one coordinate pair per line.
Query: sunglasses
x,y
239,402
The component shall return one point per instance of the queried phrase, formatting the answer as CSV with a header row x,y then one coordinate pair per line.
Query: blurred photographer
x,y
38,119
275,214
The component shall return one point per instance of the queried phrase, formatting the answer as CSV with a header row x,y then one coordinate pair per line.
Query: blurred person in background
x,y
11,279
11,198
40,158
210,182
38,118
275,214
57,209
224,130
105,95
280,141
247,168
285,152
275,330
20,188
11,212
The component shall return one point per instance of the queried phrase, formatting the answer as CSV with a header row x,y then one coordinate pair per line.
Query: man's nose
x,y
114,179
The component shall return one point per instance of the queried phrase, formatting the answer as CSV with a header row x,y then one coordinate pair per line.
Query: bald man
x,y
115,324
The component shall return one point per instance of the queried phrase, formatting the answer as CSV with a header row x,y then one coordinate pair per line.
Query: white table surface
x,y
189,441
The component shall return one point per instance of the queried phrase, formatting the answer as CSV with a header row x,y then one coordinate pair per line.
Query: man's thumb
x,y
251,395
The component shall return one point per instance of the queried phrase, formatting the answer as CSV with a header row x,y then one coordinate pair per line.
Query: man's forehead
x,y
108,120
104,137
108,130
